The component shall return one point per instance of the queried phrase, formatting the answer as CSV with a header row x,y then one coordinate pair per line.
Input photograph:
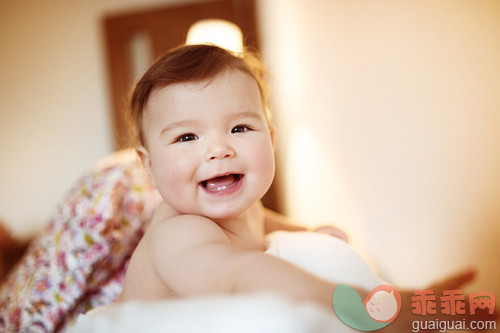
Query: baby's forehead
x,y
228,91
238,79
199,83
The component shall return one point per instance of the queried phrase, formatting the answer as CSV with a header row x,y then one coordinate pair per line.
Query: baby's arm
x,y
274,221
193,256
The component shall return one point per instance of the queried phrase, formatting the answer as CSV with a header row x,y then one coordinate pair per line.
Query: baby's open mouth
x,y
221,183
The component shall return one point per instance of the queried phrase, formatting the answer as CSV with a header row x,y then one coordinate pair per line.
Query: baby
x,y
206,140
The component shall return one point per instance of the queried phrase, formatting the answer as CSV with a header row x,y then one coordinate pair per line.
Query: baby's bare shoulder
x,y
167,224
185,250
177,236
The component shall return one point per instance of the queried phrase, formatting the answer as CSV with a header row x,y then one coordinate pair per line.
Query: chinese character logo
x,y
379,309
452,302
482,301
424,302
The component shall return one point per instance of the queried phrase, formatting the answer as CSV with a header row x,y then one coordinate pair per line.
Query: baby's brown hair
x,y
192,63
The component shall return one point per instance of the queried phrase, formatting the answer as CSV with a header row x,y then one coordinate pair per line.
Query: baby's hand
x,y
332,231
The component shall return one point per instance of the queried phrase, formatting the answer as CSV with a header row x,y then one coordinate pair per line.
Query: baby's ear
x,y
272,133
146,161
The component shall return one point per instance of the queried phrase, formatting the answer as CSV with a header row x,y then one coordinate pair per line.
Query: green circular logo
x,y
379,309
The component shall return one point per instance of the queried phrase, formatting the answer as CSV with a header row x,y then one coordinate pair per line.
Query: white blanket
x,y
323,255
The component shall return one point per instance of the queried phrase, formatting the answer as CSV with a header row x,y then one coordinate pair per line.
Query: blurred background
x,y
388,115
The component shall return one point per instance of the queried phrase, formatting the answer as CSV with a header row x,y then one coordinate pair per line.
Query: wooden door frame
x,y
119,29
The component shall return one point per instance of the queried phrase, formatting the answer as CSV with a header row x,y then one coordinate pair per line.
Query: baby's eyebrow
x,y
248,114
177,124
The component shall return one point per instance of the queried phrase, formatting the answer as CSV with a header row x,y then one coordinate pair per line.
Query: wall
x,y
54,112
389,116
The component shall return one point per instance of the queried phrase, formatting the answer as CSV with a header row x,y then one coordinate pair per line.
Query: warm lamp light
x,y
215,31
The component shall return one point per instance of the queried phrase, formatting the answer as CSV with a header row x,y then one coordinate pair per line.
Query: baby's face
x,y
209,146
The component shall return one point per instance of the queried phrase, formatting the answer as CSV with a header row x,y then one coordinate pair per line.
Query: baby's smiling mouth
x,y
221,183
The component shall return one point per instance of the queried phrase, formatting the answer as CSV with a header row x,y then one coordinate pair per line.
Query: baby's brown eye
x,y
186,137
240,129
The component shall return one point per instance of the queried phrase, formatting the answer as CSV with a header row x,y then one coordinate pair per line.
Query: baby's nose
x,y
220,151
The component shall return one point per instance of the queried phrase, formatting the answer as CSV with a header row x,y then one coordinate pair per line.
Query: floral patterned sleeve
x,y
78,263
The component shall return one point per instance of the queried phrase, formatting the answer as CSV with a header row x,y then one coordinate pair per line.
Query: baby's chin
x,y
226,216
220,215
219,212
